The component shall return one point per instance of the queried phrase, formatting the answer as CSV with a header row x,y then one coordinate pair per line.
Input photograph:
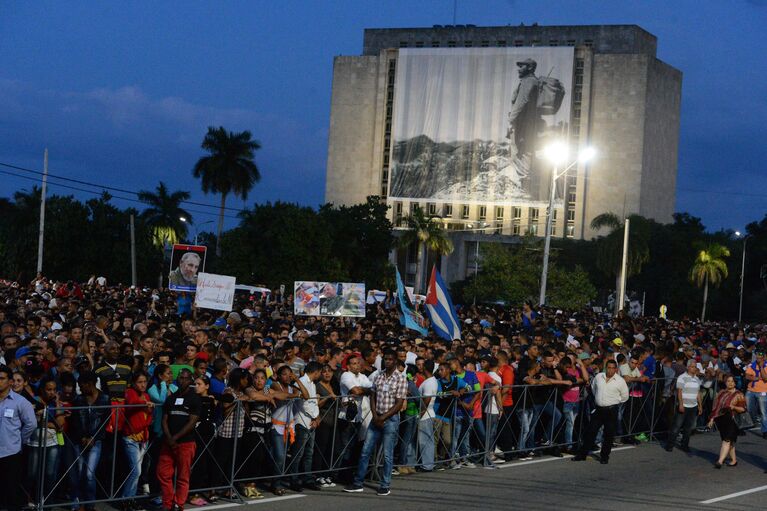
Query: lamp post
x,y
742,274
557,153
196,227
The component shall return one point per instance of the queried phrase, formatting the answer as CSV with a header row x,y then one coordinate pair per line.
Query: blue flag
x,y
409,318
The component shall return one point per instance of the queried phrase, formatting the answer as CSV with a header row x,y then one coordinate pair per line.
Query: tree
x,y
570,289
709,268
429,236
164,214
610,247
229,168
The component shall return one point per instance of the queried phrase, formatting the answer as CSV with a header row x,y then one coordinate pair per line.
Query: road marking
x,y
733,495
251,502
531,462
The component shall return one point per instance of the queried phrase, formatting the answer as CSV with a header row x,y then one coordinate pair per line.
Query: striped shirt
x,y
689,385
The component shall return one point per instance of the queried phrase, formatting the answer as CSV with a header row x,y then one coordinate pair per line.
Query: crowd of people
x,y
125,393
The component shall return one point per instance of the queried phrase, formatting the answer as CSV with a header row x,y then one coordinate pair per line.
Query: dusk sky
x,y
122,92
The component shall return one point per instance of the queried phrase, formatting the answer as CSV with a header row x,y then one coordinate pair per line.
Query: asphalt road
x,y
637,478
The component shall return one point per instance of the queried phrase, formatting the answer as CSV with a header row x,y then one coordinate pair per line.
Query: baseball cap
x,y
23,352
618,341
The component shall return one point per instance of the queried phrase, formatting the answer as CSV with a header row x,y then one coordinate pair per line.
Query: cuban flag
x,y
440,308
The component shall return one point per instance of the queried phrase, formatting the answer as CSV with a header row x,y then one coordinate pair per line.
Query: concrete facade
x,y
626,104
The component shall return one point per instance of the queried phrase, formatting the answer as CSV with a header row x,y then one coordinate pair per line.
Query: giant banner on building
x,y
329,299
468,122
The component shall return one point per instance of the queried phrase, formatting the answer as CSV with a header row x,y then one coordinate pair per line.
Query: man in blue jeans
x,y
389,393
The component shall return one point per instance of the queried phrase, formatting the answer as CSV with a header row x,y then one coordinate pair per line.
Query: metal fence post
x,y
237,412
41,462
114,451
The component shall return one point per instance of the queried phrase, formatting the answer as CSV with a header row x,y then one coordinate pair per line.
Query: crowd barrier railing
x,y
238,448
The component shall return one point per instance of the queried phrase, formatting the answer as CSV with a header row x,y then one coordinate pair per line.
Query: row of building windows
x,y
387,126
499,43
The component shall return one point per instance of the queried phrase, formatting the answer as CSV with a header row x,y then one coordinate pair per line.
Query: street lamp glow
x,y
587,154
737,233
556,152
182,218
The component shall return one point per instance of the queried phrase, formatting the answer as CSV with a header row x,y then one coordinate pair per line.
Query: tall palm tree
x,y
709,268
610,247
429,237
229,168
164,214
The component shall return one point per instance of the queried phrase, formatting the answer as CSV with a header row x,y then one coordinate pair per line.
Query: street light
x,y
742,274
557,153
196,227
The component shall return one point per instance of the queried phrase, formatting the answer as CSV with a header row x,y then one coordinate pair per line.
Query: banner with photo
x,y
469,123
185,263
215,292
329,299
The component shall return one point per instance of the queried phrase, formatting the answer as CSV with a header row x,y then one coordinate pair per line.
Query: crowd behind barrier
x,y
141,403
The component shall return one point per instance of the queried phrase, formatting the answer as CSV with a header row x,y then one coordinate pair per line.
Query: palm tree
x,y
709,268
164,214
610,247
429,236
228,169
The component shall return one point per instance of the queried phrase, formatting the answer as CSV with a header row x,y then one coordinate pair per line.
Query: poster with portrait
x,y
470,123
186,261
336,299
215,291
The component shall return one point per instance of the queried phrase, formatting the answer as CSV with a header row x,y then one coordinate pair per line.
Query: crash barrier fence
x,y
239,447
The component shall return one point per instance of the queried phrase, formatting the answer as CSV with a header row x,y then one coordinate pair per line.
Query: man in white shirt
x,y
689,406
355,389
610,391
428,391
307,419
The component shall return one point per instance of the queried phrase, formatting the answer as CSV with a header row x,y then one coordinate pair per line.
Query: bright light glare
x,y
737,233
587,154
182,218
556,152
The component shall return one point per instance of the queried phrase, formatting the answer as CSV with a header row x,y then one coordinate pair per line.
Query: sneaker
x,y
468,464
353,489
395,472
382,492
498,451
145,488
198,501
526,456
499,460
330,482
454,465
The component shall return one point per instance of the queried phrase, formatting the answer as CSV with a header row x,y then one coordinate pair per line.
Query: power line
x,y
105,187
69,187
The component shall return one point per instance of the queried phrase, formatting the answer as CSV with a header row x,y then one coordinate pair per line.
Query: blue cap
x,y
23,351
485,323
220,323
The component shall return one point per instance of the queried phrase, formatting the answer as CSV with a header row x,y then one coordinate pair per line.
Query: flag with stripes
x,y
440,308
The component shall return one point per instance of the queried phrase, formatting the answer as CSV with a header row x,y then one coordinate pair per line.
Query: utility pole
x,y
132,252
42,213
624,269
547,242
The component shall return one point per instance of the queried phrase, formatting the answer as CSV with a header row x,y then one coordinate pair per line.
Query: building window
x,y
500,43
435,44
534,214
553,42
464,211
468,44
447,210
519,42
579,80
516,213
484,44
431,208
482,212
588,43
579,64
403,44
533,229
571,42
384,190
570,215
570,230
419,44
536,42
499,213
515,229
451,44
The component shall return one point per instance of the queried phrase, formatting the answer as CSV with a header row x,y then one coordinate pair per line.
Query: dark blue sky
x,y
122,92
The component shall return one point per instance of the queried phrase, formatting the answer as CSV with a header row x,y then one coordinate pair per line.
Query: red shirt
x,y
507,380
138,419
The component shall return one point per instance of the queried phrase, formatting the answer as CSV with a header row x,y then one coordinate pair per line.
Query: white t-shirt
x,y
429,388
491,406
348,381
690,386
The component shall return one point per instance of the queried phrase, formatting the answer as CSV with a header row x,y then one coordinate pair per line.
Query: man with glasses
x,y
17,424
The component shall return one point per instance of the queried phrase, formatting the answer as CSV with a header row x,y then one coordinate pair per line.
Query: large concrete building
x,y
624,102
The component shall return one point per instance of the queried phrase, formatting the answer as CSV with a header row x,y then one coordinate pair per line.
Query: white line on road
x,y
251,502
531,462
733,495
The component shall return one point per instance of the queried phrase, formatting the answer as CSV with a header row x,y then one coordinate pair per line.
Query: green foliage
x,y
710,266
511,274
164,215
